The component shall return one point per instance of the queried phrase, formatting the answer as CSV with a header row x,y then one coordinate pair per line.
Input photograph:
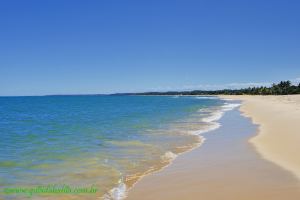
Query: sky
x,y
91,47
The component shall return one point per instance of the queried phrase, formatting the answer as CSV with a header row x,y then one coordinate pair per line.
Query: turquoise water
x,y
107,141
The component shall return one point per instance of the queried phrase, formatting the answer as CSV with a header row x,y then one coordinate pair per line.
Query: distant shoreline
x,y
282,88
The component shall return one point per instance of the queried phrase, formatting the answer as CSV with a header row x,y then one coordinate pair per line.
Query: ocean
x,y
105,141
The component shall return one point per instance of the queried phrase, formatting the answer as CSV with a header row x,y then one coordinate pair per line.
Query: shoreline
x,y
121,191
278,136
157,184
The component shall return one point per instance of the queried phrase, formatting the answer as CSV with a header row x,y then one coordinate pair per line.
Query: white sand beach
x,y
278,137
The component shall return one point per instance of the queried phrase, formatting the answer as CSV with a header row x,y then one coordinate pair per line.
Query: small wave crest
x,y
211,127
117,193
230,106
205,97
227,99
168,156
215,116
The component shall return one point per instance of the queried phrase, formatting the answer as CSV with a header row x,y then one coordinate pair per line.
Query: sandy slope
x,y
278,139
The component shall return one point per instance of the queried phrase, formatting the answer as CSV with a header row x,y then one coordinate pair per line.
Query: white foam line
x,y
230,106
213,126
227,99
204,97
214,117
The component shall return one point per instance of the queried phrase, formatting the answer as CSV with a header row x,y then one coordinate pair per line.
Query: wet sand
x,y
225,167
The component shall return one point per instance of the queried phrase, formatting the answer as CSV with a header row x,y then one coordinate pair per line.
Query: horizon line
x,y
293,81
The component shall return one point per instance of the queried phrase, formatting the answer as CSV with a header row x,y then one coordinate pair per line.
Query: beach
x,y
278,136
253,155
150,100
153,147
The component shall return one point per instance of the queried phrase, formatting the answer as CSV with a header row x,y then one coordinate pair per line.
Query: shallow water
x,y
105,141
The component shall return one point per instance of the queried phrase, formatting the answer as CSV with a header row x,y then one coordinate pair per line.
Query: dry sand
x,y
228,167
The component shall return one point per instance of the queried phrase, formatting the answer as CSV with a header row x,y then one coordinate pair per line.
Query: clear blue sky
x,y
106,46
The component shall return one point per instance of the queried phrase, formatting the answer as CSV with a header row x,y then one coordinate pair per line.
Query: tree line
x,y
282,88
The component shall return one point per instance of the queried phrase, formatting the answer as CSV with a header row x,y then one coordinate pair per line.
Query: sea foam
x,y
168,156
117,193
211,127
214,117
205,97
230,106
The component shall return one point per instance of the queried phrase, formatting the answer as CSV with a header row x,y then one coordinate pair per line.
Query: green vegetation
x,y
282,88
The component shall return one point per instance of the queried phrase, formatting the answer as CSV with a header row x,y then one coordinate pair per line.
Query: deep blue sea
x,y
106,141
